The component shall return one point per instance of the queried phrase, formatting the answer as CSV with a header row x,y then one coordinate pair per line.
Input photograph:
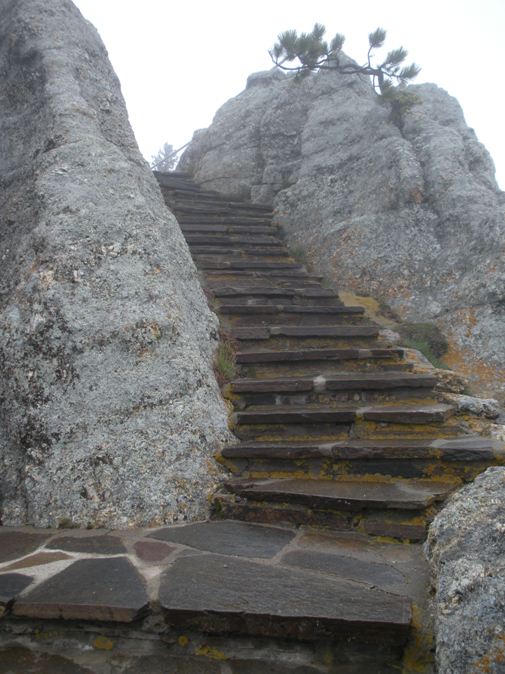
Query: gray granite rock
x,y
480,407
466,551
110,411
401,205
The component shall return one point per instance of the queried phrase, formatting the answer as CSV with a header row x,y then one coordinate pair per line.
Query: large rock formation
x,y
398,202
466,548
109,406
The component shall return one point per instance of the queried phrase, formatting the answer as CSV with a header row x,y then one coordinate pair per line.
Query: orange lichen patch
x,y
485,379
370,305
496,656
210,652
471,321
101,643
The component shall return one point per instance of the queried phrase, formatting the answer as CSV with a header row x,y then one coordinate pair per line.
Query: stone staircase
x,y
335,430
312,562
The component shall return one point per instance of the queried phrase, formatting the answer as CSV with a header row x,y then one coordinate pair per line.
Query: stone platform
x,y
181,588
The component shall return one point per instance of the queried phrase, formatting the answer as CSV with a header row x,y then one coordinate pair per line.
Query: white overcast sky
x,y
179,60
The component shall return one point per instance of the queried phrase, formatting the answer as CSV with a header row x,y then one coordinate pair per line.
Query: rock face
x,y
398,203
109,407
466,549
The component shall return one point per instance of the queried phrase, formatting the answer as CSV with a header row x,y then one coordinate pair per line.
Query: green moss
x,y
425,348
428,335
224,361
299,254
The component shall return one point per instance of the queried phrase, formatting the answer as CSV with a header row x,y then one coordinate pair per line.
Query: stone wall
x,y
397,203
109,410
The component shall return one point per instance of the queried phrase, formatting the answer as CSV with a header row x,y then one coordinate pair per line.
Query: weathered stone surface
x,y
89,589
14,544
17,659
466,551
345,566
11,584
152,551
404,494
101,545
229,538
399,204
480,407
110,410
213,590
450,381
39,559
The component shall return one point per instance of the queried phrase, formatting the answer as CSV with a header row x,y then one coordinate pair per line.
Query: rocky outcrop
x,y
394,201
109,406
466,549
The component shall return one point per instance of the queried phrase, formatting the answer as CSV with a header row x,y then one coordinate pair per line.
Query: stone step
x,y
464,448
273,309
359,360
430,413
225,219
272,291
319,355
205,199
407,494
230,230
247,265
335,382
307,315
225,591
298,278
213,206
221,207
220,240
399,508
221,252
463,457
303,331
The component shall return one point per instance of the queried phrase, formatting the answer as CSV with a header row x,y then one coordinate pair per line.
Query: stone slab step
x,y
246,250
398,414
209,202
230,230
248,265
265,332
343,382
273,291
297,275
323,310
413,494
314,355
229,220
465,448
215,593
216,207
236,240
212,205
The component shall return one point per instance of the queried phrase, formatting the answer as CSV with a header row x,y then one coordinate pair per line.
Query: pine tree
x,y
165,160
313,53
